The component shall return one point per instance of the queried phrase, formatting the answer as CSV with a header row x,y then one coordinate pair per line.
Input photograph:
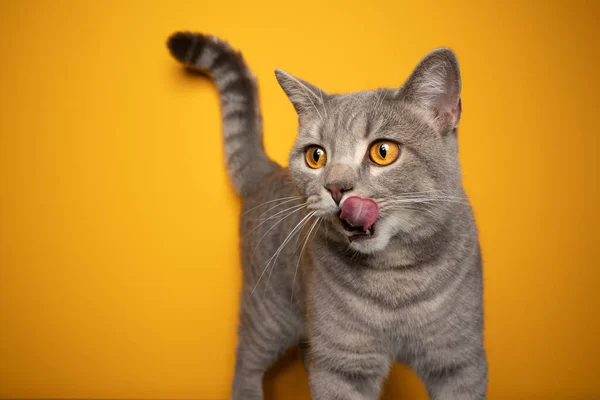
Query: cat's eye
x,y
315,157
384,152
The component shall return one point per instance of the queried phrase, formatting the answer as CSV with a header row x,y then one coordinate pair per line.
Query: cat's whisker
x,y
326,233
426,200
428,197
270,201
380,102
273,263
418,206
405,207
298,206
438,191
319,219
422,196
296,246
278,205
431,194
278,213
377,95
274,256
323,103
271,228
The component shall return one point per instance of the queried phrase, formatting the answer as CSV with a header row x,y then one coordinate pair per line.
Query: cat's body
x,y
410,290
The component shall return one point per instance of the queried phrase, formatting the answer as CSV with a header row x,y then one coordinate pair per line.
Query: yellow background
x,y
119,268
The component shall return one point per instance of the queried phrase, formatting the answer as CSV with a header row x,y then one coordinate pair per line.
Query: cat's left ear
x,y
305,97
435,87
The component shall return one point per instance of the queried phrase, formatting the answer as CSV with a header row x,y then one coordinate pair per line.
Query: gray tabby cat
x,y
364,250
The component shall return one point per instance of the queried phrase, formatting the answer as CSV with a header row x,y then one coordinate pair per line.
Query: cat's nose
x,y
337,191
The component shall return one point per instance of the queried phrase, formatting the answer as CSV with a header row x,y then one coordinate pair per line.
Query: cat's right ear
x,y
434,86
305,97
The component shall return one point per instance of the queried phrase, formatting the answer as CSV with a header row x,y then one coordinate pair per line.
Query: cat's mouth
x,y
357,232
358,216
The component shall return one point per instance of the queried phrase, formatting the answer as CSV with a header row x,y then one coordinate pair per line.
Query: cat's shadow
x,y
287,371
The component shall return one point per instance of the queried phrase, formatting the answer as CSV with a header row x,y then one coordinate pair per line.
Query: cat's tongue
x,y
359,212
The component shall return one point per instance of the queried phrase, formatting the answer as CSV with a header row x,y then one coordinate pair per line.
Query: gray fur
x,y
412,293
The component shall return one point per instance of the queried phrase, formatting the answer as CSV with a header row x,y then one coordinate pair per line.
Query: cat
x,y
364,249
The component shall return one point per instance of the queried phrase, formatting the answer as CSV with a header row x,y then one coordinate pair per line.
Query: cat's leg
x,y
347,374
347,359
453,379
266,330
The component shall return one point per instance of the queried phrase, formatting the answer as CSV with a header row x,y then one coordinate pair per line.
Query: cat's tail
x,y
247,162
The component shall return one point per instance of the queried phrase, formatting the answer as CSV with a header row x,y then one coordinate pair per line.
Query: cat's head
x,y
392,152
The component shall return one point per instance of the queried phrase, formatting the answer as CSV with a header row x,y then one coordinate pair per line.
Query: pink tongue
x,y
359,212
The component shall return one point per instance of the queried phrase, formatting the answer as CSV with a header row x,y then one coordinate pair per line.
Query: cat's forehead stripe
x,y
351,122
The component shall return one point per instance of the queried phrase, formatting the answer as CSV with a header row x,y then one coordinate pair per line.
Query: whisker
x,y
319,219
278,212
270,201
377,95
271,228
326,233
278,205
380,102
405,207
273,263
428,194
274,256
426,191
354,256
425,200
441,196
279,251
323,103
296,246
298,206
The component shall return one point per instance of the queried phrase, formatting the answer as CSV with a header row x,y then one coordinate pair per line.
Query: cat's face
x,y
396,147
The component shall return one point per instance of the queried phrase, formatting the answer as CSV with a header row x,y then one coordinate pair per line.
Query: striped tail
x,y
247,162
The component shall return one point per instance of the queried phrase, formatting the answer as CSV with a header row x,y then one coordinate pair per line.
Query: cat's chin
x,y
369,241
382,232
369,245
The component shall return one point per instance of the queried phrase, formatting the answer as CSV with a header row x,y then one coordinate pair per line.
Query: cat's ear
x,y
435,87
304,96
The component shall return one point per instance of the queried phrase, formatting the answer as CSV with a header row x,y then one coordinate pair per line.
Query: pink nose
x,y
337,191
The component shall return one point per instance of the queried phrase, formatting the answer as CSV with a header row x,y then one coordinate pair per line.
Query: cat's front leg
x,y
348,359
463,380
345,381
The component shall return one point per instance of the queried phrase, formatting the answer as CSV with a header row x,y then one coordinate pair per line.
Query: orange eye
x,y
384,152
315,157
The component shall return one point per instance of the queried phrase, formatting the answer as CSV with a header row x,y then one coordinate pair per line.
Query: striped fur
x,y
247,163
412,293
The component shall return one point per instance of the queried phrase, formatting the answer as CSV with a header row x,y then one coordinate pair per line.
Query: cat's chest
x,y
398,301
